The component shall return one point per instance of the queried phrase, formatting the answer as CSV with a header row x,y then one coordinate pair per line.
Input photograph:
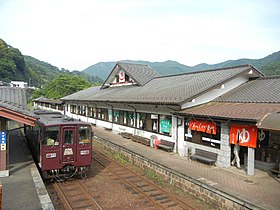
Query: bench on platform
x,y
166,145
204,156
141,140
126,135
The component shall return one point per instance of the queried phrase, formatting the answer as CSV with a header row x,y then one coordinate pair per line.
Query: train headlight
x,y
84,152
51,155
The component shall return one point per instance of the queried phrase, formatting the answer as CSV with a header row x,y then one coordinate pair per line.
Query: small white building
x,y
19,84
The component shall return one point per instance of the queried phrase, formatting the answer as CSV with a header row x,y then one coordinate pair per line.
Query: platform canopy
x,y
13,105
270,121
17,116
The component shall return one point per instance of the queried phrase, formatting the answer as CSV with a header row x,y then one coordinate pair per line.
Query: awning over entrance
x,y
270,121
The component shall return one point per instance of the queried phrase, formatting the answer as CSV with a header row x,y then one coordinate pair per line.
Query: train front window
x,y
68,136
52,136
84,135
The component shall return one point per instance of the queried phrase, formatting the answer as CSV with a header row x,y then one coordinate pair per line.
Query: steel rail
x,y
96,151
66,203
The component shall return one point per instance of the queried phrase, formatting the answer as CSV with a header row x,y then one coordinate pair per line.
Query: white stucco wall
x,y
210,95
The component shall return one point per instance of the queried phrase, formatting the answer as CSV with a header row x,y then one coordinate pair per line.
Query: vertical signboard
x,y
3,141
3,148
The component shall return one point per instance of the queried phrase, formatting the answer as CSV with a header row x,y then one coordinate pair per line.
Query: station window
x,y
102,114
51,136
129,118
127,78
91,112
73,109
142,121
116,116
155,123
117,78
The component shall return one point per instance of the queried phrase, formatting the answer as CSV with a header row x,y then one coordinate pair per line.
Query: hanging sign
x,y
244,135
203,126
122,76
263,137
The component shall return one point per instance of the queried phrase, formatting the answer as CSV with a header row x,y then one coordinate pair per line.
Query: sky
x,y
75,34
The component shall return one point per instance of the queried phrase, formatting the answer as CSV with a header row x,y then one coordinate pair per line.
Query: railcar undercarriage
x,y
67,172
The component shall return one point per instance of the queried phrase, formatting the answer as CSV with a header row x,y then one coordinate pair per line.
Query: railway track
x,y
117,183
149,191
73,195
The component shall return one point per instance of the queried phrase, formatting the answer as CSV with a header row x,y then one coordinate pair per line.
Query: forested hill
x,y
15,66
45,72
12,64
270,65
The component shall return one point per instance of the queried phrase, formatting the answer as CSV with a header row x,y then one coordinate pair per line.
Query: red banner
x,y
244,135
203,126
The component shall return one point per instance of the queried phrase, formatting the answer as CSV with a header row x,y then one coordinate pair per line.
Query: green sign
x,y
165,126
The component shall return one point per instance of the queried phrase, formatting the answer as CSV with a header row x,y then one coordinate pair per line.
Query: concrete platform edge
x,y
41,190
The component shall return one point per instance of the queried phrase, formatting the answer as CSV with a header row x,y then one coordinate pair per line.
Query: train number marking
x,y
51,155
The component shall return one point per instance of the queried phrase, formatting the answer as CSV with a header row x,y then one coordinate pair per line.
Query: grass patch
x,y
120,158
151,174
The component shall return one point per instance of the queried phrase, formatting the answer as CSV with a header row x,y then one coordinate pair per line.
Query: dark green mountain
x,y
269,65
15,66
12,64
42,72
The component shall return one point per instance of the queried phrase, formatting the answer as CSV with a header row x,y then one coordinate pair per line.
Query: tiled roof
x,y
139,72
261,90
14,98
251,101
83,94
173,89
237,111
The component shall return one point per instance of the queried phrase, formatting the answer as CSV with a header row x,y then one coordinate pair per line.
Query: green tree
x,y
61,86
12,64
272,69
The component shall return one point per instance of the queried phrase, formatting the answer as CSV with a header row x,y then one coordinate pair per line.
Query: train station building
x,y
208,111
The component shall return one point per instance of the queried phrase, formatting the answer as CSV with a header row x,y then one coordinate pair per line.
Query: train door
x,y
68,144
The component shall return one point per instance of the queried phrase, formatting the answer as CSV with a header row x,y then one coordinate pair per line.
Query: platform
x,y
23,188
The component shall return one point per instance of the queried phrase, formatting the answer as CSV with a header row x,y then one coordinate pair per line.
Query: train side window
x,y
68,137
84,134
52,136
